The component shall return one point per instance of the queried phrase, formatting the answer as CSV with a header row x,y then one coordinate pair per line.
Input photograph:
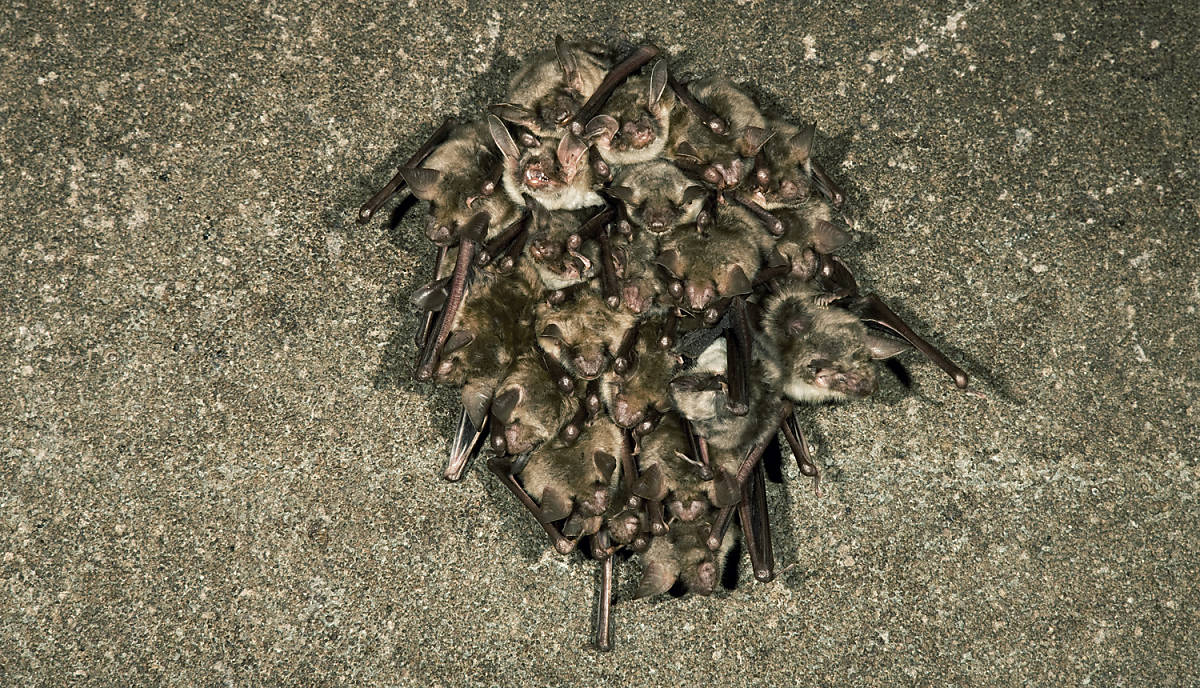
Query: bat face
x,y
781,176
820,352
657,196
582,333
557,264
683,555
724,161
528,406
547,92
642,387
636,120
554,173
582,472
715,265
453,178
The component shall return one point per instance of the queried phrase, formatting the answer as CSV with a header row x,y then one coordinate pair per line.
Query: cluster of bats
x,y
635,283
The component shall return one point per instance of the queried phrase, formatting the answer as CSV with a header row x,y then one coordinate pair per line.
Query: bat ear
x,y
657,578
422,181
754,138
476,402
431,296
552,331
658,83
885,347
513,113
671,262
555,504
650,485
827,237
605,463
457,341
801,142
502,137
694,193
506,402
737,282
687,150
776,259
601,127
621,193
725,489
568,62
571,149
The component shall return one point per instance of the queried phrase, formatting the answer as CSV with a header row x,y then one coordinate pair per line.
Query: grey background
x,y
216,471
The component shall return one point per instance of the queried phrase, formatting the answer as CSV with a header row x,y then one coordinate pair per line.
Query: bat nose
x,y
625,415
589,366
698,297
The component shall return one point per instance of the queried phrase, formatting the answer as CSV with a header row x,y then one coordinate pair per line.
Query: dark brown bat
x,y
555,173
720,160
638,383
808,230
560,263
529,406
577,478
683,555
546,93
635,122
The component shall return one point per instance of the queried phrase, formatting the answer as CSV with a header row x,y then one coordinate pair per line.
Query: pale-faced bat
x,y
547,92
582,333
555,173
813,352
716,264
453,179
657,196
634,125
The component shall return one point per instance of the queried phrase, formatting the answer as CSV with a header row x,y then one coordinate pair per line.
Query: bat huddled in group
x,y
635,284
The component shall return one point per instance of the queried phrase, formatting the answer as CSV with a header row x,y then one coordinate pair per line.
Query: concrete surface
x,y
216,472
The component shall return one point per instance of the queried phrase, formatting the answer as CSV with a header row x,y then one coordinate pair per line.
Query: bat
x,y
635,283
635,121
554,173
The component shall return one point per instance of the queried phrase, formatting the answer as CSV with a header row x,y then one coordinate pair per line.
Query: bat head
x,y
780,176
657,196
823,352
528,406
636,120
582,333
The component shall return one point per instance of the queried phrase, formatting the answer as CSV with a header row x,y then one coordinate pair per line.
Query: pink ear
x,y
571,150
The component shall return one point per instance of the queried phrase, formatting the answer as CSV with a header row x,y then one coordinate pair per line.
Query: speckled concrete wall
x,y
215,470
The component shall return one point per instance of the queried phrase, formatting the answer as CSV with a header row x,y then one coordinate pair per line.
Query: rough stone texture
x,y
215,469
